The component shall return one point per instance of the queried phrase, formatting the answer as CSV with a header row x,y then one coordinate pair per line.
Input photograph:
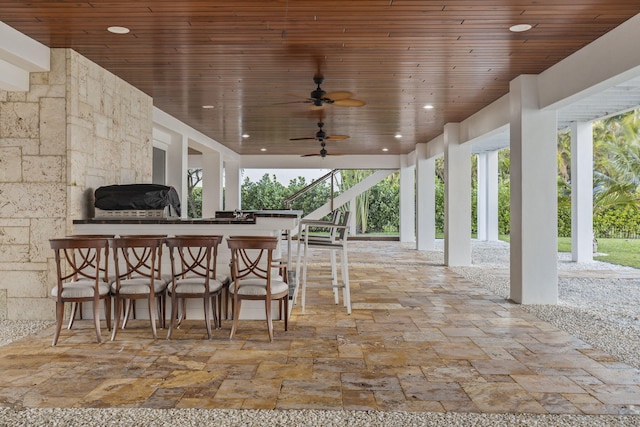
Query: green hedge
x,y
617,222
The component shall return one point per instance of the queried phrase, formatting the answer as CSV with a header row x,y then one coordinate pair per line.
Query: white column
x,y
212,169
177,169
407,203
457,198
425,200
487,209
581,192
534,213
232,186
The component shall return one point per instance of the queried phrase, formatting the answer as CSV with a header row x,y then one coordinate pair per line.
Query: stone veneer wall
x,y
79,127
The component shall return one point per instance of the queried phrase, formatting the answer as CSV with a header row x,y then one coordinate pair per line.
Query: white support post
x,y
581,192
487,210
534,212
212,169
353,225
178,169
407,203
457,198
232,186
425,200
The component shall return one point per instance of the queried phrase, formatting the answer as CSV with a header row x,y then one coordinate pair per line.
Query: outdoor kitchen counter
x,y
257,223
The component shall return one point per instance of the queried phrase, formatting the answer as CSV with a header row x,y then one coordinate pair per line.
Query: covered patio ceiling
x,y
254,61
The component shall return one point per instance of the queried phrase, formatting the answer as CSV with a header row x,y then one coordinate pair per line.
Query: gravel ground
x,y
601,311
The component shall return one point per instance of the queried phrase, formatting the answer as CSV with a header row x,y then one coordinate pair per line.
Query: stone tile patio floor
x,y
420,338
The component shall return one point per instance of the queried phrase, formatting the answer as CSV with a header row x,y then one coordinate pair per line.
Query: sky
x,y
283,176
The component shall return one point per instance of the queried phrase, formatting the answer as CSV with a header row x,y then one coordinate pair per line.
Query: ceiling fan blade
x,y
310,155
307,101
302,139
349,102
337,137
336,96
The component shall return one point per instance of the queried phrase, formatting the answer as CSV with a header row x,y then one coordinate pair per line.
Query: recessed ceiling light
x,y
518,28
263,149
385,149
245,135
208,107
118,30
398,136
428,107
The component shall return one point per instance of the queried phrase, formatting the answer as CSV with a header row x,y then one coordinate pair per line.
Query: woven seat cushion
x,y
80,289
224,278
194,285
139,286
257,287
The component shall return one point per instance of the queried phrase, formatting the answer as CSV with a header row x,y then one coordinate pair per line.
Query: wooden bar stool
x,y
80,278
193,275
137,262
253,279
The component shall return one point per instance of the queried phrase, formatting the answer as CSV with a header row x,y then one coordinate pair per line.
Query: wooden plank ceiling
x,y
254,60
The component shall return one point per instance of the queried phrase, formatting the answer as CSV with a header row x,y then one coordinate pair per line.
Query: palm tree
x,y
617,162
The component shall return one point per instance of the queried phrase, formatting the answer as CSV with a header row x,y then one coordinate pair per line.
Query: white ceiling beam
x,y
602,64
20,55
12,78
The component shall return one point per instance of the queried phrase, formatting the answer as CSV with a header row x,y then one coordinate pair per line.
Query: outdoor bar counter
x,y
225,223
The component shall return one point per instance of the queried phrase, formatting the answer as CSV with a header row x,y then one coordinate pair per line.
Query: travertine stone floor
x,y
420,338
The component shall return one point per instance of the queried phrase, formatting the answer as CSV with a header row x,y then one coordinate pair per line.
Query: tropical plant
x,y
349,178
617,168
194,193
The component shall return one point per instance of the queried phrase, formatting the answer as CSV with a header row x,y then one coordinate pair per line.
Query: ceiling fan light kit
x,y
321,136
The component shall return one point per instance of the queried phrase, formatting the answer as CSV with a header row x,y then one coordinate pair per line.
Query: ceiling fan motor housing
x,y
317,94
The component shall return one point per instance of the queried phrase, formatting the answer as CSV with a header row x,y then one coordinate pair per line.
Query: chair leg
x,y
117,310
334,276
267,306
128,307
183,311
236,316
346,290
298,254
72,316
96,319
304,278
174,315
218,317
59,316
152,316
207,315
107,311
286,313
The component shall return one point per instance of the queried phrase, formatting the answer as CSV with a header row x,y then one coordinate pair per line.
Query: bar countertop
x,y
222,217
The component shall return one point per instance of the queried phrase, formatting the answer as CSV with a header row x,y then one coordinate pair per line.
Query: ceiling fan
x,y
321,135
319,98
323,152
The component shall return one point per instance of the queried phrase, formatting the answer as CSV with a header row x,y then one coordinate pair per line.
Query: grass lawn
x,y
619,251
